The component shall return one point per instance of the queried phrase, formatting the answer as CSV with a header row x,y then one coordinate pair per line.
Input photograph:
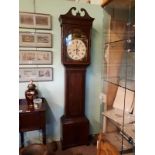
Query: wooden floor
x,y
90,149
79,150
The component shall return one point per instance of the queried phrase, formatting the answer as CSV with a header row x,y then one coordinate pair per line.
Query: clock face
x,y
76,49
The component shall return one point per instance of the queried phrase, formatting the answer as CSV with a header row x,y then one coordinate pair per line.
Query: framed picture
x,y
31,39
36,74
35,57
34,20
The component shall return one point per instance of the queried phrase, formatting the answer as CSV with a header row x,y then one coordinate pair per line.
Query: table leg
x,y
44,135
22,139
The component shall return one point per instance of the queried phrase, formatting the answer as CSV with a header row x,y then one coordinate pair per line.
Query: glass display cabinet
x,y
119,83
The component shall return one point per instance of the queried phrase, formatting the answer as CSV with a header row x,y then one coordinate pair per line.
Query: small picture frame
x,y
35,74
35,20
32,39
35,57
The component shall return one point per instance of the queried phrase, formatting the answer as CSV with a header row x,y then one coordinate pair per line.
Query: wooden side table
x,y
32,119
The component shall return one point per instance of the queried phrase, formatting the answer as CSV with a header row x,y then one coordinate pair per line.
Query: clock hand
x,y
76,50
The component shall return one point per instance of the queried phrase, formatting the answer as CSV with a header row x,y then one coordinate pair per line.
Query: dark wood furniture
x,y
32,119
75,131
75,56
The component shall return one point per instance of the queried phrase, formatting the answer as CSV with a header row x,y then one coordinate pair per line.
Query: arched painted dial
x,y
76,49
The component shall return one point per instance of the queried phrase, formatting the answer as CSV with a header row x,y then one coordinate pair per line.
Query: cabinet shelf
x,y
130,84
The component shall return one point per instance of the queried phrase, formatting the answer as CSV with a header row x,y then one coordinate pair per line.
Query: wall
x,y
53,91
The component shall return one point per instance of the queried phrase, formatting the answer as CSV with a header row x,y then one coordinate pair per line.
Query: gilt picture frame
x,y
35,20
35,39
35,74
35,57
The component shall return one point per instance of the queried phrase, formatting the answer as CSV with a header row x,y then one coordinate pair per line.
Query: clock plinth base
x,y
75,131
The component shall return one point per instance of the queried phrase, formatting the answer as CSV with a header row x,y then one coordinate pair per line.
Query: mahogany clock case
x,y
75,27
75,39
74,131
74,92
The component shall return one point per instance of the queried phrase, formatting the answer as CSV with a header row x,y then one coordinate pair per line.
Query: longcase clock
x,y
75,56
